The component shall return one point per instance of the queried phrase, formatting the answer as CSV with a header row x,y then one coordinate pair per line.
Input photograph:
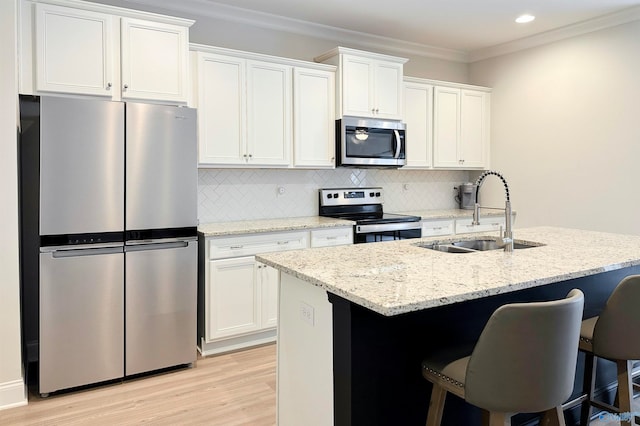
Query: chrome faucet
x,y
506,238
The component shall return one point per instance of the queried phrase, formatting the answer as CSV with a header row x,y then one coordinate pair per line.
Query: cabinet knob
x,y
126,86
109,86
377,110
250,155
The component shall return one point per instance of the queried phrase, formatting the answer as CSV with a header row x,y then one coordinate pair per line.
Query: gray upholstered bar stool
x,y
523,362
614,335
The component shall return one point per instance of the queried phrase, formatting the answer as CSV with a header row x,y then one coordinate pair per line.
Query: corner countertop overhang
x,y
397,277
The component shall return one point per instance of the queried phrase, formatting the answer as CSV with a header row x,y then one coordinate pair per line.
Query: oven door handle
x,y
382,227
398,144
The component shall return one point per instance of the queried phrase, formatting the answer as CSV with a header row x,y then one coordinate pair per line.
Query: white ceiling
x,y
467,28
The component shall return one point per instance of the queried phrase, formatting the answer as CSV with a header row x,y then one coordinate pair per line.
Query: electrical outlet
x,y
307,313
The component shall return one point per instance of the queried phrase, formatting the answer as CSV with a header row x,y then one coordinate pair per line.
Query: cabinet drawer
x,y
248,245
332,237
432,228
486,224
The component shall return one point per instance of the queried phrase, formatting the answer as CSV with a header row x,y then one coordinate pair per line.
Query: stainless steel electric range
x,y
364,206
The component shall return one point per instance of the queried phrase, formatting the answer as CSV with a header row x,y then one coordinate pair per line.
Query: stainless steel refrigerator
x,y
108,239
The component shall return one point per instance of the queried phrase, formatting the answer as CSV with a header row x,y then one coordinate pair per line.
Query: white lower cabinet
x,y
267,279
241,294
233,297
442,227
435,227
332,237
487,224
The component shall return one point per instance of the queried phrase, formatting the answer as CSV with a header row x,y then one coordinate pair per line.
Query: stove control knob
x,y
371,194
377,194
335,195
329,196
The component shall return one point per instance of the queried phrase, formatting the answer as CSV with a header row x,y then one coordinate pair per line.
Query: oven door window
x,y
374,237
367,142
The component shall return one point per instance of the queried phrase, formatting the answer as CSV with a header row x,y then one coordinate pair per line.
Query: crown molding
x,y
600,23
341,36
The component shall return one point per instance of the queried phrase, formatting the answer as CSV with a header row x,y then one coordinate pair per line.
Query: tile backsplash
x,y
234,194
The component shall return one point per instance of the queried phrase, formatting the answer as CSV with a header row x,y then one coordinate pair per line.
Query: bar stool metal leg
x,y
588,387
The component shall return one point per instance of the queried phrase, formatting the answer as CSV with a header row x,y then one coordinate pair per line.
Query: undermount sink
x,y
471,246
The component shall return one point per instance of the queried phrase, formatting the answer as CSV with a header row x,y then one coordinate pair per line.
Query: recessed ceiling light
x,y
522,19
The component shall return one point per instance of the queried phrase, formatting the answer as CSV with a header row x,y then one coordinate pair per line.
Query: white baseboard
x,y
12,394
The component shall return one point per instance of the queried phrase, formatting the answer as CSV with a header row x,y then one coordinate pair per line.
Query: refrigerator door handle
x,y
156,246
84,252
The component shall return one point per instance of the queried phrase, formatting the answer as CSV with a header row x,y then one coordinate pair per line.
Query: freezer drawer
x,y
161,305
81,317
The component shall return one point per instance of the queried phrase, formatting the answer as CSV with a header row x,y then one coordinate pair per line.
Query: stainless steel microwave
x,y
367,142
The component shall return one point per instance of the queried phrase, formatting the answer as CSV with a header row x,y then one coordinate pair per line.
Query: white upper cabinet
x,y
418,117
269,113
155,59
262,111
92,49
221,99
313,118
369,84
461,128
74,51
244,111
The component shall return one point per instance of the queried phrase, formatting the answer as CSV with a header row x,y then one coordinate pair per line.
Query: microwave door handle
x,y
398,145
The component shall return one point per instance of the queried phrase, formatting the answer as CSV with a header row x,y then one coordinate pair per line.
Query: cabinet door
x,y
74,51
154,60
357,86
313,118
418,116
474,128
268,279
232,298
388,90
446,127
268,113
221,103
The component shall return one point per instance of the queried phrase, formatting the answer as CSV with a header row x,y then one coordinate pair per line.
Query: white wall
x,y
566,130
12,390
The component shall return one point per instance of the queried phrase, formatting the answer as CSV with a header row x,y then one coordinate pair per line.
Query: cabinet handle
x,y
332,238
236,247
437,228
281,243
109,86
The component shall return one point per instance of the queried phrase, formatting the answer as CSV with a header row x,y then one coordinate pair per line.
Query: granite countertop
x,y
396,277
219,229
451,213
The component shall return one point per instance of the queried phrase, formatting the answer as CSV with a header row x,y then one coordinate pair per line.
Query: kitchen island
x,y
355,321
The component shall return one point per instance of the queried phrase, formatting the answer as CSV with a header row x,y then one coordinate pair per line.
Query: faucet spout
x,y
507,236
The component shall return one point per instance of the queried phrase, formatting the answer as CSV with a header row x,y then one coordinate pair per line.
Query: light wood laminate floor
x,y
230,389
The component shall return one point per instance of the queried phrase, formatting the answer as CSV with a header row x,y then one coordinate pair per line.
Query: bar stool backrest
x,y
525,359
616,334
